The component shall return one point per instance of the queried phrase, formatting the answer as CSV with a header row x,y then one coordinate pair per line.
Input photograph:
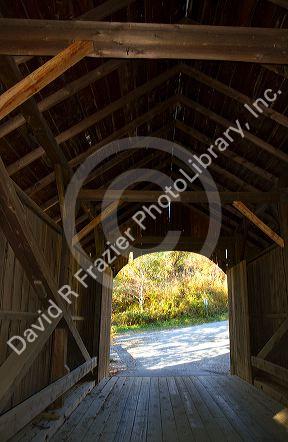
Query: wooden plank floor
x,y
187,408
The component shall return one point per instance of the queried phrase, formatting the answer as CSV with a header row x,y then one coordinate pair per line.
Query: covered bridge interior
x,y
76,76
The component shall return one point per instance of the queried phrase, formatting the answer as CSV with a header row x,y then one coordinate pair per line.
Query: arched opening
x,y
170,315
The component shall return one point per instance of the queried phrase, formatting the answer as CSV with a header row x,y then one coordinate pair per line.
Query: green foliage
x,y
168,286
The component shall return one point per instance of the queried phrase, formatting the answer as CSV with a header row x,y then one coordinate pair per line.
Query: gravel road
x,y
197,350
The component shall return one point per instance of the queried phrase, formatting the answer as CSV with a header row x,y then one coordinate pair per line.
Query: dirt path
x,y
195,350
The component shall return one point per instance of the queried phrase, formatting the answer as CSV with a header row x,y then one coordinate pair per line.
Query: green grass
x,y
183,321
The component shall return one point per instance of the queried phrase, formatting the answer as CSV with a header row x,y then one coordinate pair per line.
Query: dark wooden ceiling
x,y
133,93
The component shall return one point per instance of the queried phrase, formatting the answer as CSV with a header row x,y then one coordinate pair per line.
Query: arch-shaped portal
x,y
177,302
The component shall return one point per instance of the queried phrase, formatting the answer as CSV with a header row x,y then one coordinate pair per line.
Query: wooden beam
x,y
17,316
8,315
223,122
221,171
275,370
15,367
95,118
184,241
59,360
95,222
144,196
10,74
106,167
19,59
227,153
62,94
145,40
233,93
257,221
25,246
278,69
28,202
60,335
60,189
281,3
274,390
15,419
106,9
111,208
272,343
42,76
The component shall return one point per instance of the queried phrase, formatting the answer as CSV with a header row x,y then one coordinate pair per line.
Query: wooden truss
x,y
145,40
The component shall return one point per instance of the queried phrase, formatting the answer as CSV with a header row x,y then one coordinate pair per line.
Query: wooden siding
x,y
268,302
17,294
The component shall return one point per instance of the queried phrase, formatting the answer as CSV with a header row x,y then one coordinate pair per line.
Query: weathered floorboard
x,y
204,408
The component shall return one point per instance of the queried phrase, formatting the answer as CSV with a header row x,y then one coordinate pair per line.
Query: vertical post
x,y
59,359
239,322
60,336
283,221
102,312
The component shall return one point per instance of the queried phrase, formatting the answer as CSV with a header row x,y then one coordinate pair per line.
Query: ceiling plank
x,y
146,40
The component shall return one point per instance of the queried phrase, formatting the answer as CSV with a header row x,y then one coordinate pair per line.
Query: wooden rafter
x,y
95,118
62,94
253,218
106,9
11,75
224,122
46,73
145,40
148,116
87,229
232,93
108,211
221,171
111,208
258,222
228,153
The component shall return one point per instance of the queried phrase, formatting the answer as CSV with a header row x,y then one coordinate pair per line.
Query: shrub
x,y
172,285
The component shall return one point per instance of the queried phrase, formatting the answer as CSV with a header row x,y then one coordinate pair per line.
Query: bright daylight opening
x,y
170,316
